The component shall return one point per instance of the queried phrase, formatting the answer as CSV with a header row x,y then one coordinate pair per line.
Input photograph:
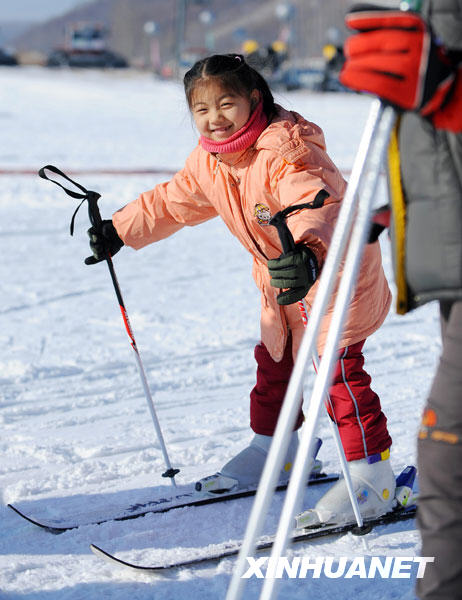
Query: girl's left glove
x,y
294,272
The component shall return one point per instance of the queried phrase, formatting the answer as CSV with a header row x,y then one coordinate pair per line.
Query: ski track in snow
x,y
76,435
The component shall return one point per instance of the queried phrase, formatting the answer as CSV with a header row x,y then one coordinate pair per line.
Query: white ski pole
x,y
95,219
340,450
386,118
290,406
288,245
341,455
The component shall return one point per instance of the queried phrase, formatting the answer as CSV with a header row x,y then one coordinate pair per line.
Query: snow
x,y
76,434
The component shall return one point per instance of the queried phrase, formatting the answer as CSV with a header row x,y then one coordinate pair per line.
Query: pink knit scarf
x,y
242,139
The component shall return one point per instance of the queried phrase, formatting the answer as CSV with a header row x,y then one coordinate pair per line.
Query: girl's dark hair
x,y
233,74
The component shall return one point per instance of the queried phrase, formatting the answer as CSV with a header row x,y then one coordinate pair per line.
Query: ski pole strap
x,y
90,196
317,202
279,219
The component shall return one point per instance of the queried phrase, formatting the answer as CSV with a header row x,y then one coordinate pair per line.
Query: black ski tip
x,y
110,558
47,527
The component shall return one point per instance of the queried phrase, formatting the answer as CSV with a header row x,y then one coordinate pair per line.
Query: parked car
x,y
7,58
296,78
310,78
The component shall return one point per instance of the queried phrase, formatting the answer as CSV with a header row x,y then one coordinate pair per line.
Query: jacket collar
x,y
287,134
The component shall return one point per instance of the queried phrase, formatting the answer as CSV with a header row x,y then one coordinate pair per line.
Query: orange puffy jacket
x,y
287,165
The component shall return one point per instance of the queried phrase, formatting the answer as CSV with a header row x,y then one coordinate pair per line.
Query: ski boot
x,y
374,486
244,470
405,494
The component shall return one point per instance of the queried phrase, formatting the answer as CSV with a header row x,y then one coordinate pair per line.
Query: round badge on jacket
x,y
262,214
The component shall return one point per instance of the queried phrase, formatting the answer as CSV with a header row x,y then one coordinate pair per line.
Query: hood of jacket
x,y
289,134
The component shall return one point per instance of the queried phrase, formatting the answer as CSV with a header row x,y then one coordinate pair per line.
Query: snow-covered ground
x,y
75,429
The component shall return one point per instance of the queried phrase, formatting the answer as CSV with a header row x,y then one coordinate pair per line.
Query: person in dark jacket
x,y
414,62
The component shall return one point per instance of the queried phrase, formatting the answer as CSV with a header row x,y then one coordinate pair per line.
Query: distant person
x,y
334,60
277,53
414,63
254,55
253,159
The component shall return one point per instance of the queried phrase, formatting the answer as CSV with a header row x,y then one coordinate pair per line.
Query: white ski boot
x,y
244,470
374,486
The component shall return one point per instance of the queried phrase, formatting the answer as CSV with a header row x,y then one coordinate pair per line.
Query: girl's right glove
x,y
103,242
394,56
294,272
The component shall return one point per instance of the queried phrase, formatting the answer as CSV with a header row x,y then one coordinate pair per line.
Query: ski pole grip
x,y
285,236
279,219
93,210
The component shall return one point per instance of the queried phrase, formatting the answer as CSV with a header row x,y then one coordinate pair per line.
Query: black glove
x,y
294,272
103,242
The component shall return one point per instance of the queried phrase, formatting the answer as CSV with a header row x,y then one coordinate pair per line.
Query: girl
x,y
253,159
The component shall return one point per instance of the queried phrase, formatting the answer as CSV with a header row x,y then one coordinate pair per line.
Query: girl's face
x,y
218,113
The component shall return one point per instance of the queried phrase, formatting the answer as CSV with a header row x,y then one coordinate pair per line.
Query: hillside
x,y
233,23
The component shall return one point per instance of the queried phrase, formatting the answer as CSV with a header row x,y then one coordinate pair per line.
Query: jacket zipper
x,y
236,187
218,165
256,244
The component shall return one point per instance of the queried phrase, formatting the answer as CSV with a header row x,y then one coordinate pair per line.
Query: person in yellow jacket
x,y
253,159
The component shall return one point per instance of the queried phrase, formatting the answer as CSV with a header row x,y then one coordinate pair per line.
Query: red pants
x,y
354,405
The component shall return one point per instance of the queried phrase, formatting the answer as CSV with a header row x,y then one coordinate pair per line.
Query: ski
x,y
188,498
232,549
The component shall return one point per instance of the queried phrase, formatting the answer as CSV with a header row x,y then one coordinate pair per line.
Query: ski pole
x,y
96,221
288,245
386,118
290,407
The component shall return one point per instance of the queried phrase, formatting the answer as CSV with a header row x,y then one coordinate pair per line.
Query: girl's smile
x,y
219,113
